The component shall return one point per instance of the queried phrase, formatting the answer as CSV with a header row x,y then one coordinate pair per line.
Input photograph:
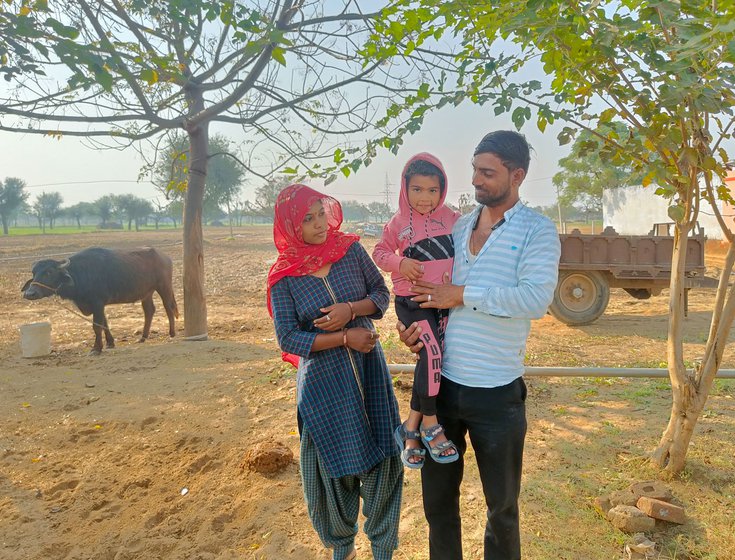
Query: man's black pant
x,y
496,422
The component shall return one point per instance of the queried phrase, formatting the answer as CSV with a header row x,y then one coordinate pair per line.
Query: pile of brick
x,y
636,509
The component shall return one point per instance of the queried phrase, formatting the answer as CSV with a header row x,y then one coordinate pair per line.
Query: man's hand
x,y
410,336
411,269
438,296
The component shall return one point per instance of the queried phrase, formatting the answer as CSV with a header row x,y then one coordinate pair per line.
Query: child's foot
x,y
412,455
441,449
412,445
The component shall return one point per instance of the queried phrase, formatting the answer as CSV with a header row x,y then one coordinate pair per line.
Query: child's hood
x,y
404,208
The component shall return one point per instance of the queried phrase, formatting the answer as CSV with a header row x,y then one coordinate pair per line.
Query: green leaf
x,y
150,76
689,156
709,163
104,78
676,213
61,29
278,54
290,170
396,29
541,123
607,115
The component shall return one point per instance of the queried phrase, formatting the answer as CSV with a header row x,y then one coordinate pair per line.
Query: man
x,y
505,272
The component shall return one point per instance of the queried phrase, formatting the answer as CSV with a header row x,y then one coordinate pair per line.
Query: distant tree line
x,y
112,211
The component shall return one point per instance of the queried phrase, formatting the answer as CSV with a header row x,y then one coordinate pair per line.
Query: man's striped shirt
x,y
510,282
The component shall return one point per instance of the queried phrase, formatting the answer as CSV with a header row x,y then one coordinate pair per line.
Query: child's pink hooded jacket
x,y
426,238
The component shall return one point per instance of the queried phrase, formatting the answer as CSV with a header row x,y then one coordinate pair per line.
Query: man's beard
x,y
492,201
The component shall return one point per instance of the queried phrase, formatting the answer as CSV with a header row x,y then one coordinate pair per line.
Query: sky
x,y
82,174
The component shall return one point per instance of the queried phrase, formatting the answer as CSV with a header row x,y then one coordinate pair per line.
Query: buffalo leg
x,y
169,304
108,334
148,310
99,324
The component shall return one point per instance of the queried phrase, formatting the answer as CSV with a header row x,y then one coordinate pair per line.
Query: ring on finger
x,y
429,297
328,317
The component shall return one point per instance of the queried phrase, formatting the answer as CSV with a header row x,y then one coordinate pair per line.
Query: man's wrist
x,y
472,297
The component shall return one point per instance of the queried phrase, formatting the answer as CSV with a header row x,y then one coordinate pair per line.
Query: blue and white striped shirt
x,y
510,282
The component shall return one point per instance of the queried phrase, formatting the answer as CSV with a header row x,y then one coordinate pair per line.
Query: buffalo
x,y
96,277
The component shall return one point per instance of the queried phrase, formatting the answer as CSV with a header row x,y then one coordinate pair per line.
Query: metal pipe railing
x,y
542,371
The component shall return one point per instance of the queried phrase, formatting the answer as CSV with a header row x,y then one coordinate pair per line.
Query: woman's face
x,y
314,227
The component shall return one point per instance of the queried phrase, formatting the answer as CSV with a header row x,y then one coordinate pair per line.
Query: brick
x,y
651,489
658,509
623,498
630,519
602,504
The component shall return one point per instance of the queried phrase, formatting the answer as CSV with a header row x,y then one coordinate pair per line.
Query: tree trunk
x,y
5,225
687,401
195,302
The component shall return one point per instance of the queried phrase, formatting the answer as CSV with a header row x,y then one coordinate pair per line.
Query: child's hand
x,y
411,269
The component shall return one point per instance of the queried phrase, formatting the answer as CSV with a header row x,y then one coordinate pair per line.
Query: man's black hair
x,y
423,167
510,146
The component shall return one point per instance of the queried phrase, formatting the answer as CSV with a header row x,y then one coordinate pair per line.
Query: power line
x,y
82,183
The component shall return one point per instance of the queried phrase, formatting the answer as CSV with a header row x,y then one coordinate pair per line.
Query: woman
x,y
323,292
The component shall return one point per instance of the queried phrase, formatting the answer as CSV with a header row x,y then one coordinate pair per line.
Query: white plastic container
x,y
35,339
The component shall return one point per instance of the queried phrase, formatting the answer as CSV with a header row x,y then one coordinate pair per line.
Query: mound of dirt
x,y
268,457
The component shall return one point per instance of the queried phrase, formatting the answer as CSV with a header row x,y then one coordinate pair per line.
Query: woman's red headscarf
x,y
295,257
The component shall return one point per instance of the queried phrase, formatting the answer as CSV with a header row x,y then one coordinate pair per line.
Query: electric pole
x,y
387,192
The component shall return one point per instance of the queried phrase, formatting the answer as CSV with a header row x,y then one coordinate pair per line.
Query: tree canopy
x,y
225,174
663,68
12,198
292,73
46,208
585,172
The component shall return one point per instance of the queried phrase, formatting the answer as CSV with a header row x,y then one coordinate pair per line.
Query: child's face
x,y
315,225
424,193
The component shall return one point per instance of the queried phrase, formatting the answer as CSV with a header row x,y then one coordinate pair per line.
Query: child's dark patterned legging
x,y
428,372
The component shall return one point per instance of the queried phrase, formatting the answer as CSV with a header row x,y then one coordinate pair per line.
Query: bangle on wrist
x,y
352,308
344,337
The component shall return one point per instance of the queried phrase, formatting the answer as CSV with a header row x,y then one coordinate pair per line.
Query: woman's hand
x,y
411,269
361,339
336,316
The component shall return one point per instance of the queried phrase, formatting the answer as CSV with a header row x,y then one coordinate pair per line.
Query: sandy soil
x,y
138,453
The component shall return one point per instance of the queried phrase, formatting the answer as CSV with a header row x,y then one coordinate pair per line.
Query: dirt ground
x,y
138,453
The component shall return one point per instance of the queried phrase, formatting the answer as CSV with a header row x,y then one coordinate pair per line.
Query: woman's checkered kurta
x,y
345,398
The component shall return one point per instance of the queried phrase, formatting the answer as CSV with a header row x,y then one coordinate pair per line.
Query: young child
x,y
417,244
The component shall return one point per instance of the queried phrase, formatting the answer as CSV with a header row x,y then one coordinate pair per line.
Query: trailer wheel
x,y
580,297
639,293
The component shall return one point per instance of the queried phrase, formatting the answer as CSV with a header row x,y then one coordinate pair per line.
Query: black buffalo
x,y
95,277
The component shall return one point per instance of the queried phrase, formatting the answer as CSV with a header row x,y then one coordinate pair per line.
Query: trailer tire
x,y
581,296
